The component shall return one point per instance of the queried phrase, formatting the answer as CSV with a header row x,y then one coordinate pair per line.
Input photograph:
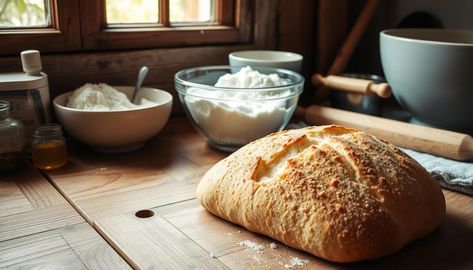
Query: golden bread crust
x,y
337,193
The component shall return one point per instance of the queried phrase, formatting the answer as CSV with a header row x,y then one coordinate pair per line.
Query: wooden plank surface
x,y
40,229
155,243
31,204
12,200
224,240
72,247
104,185
110,189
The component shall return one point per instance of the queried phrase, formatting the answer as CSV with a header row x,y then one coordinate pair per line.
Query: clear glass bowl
x,y
228,118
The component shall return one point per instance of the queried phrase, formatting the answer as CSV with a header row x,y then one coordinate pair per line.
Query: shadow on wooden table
x,y
445,248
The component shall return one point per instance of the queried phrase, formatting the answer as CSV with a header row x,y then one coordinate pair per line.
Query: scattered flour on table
x,y
243,116
251,245
295,262
256,258
102,97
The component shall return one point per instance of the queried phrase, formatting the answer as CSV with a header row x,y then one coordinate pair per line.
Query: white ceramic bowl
x,y
228,118
430,72
266,58
116,131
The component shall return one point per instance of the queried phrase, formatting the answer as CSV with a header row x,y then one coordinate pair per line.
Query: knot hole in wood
x,y
145,213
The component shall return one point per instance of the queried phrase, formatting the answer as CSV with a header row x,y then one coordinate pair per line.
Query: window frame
x,y
81,26
96,35
63,35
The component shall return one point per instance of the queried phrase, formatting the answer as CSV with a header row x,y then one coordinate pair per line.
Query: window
x,y
60,25
24,13
148,11
44,24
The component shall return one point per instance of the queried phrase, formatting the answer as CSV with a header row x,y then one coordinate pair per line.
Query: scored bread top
x,y
335,192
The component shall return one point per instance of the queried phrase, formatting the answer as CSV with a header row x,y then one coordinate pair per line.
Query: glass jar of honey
x,y
48,147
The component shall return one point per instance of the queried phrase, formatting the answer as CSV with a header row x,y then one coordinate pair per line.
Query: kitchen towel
x,y
450,174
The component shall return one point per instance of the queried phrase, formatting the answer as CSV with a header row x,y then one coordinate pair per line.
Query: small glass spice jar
x,y
48,147
12,138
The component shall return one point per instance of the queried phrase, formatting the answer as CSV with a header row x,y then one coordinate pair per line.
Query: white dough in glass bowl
x,y
239,117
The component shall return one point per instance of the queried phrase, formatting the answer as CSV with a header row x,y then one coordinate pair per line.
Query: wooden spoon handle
x,y
354,85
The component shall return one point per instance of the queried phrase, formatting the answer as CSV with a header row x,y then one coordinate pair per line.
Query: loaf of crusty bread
x,y
335,192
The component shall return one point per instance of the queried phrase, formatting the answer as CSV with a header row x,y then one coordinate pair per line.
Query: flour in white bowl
x,y
102,97
239,117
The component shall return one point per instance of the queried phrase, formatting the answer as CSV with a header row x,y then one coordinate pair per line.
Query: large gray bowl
x,y
431,74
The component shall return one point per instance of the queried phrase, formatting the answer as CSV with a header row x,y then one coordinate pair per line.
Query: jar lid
x,y
31,61
22,81
47,130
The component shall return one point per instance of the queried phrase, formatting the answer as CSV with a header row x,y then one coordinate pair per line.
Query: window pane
x,y
188,11
24,13
132,11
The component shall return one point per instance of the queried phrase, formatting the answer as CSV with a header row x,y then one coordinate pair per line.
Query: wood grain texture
x,y
109,189
265,27
40,229
36,221
297,20
71,247
31,205
215,235
12,200
91,248
332,27
158,174
154,243
38,191
223,239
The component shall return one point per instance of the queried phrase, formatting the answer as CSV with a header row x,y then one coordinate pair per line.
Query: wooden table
x,y
143,205
39,228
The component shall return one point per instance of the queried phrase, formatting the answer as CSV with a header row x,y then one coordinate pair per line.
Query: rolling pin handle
x,y
383,90
318,79
353,85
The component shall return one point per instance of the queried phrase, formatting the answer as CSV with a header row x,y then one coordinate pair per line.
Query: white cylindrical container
x,y
28,93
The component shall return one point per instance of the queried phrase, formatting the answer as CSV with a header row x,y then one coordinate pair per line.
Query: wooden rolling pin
x,y
354,85
434,141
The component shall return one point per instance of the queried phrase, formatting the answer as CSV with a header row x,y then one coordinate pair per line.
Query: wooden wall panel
x,y
297,33
332,28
